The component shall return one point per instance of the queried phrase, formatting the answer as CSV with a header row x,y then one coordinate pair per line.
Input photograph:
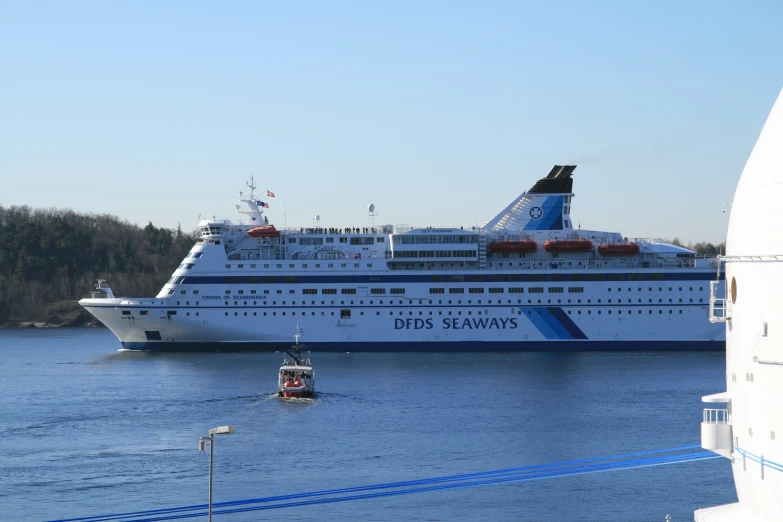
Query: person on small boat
x,y
297,381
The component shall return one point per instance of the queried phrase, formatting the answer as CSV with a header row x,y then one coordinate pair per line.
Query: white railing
x,y
718,311
716,416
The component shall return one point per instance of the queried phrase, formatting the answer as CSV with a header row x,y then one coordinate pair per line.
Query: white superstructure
x,y
527,280
747,424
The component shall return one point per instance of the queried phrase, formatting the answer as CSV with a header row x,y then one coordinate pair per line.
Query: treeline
x,y
52,255
703,248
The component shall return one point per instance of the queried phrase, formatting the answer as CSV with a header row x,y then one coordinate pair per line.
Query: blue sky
x,y
439,113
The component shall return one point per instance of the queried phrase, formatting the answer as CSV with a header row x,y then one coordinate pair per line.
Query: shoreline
x,y
60,314
43,324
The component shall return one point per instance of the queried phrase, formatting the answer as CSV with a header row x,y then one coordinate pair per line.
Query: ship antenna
x,y
252,185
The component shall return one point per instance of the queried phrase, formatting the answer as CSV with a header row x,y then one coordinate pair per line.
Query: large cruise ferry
x,y
526,280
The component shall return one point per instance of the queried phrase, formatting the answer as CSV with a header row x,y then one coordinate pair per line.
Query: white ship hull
x,y
650,315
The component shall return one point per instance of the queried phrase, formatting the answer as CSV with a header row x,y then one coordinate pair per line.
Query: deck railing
x,y
716,416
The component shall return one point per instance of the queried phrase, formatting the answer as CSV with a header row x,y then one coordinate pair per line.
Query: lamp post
x,y
227,430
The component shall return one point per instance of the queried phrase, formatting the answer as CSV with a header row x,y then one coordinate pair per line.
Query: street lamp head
x,y
222,430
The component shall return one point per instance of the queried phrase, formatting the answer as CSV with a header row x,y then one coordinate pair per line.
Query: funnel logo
x,y
536,213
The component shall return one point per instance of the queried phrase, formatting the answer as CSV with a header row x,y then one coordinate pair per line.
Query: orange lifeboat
x,y
293,388
618,249
264,232
527,246
568,246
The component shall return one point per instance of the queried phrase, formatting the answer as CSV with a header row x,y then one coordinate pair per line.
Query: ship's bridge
x,y
212,228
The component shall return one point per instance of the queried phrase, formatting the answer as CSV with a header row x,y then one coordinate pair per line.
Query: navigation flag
x,y
262,204
270,194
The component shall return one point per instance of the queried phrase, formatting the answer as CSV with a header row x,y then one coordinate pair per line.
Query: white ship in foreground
x,y
749,428
526,280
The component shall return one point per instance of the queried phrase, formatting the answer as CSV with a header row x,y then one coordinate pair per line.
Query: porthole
x,y
733,290
751,377
750,431
772,435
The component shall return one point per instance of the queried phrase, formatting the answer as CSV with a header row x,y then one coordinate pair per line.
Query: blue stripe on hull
x,y
467,346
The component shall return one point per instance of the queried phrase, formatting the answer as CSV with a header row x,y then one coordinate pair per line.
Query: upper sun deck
x,y
533,232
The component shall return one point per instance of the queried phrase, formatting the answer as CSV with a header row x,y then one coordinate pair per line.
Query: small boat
x,y
296,377
264,232
568,245
526,246
618,249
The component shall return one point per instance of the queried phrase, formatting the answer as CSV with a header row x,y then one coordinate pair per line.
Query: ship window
x,y
437,290
495,290
153,335
397,291
348,291
377,291
345,314
536,290
456,290
309,291
144,312
476,290
328,290
576,289
379,240
555,290
126,312
516,290
343,240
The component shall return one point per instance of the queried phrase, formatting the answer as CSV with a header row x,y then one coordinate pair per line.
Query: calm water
x,y
87,430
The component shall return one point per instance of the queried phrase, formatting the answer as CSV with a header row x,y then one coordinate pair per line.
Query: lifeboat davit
x,y
618,249
568,245
264,232
527,246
